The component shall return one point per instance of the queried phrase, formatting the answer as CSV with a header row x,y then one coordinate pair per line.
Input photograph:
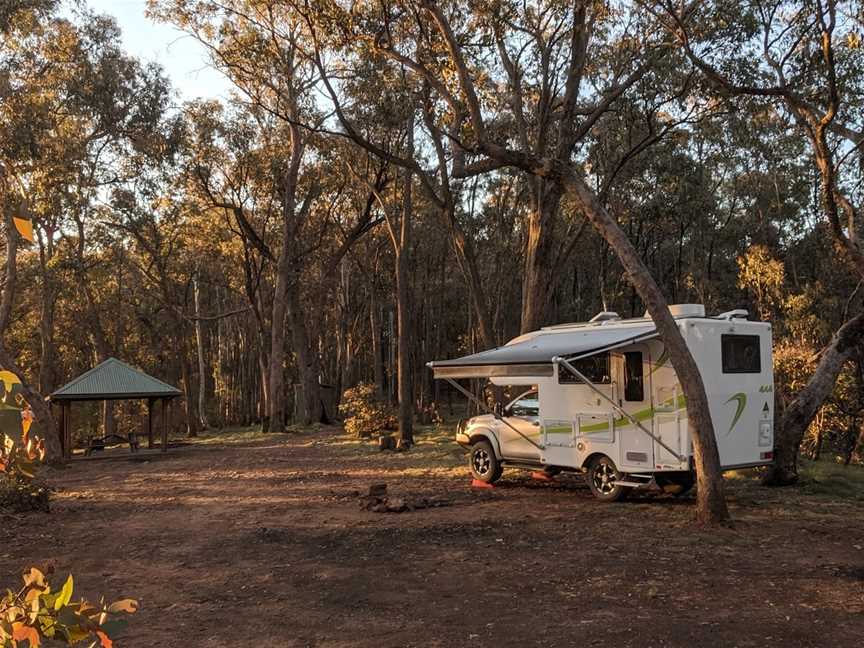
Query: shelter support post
x,y
569,367
149,423
67,430
61,429
164,425
485,408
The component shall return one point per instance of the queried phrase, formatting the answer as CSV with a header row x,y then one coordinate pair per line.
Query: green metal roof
x,y
114,380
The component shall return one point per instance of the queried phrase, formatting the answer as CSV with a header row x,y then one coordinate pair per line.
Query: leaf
x,y
9,379
35,577
24,227
124,605
104,639
65,594
21,632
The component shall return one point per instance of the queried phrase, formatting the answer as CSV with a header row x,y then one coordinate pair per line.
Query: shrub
x,y
364,413
23,496
20,490
36,612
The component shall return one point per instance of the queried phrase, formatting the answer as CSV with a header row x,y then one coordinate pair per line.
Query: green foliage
x,y
833,479
22,495
364,413
37,611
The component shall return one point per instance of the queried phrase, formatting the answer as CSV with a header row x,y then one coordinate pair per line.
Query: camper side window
x,y
594,368
741,354
633,378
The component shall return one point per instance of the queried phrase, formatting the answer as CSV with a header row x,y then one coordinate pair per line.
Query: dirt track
x,y
265,544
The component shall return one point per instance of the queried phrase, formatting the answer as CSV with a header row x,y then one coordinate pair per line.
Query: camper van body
x,y
631,410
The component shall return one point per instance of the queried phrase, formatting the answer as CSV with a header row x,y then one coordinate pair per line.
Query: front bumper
x,y
462,437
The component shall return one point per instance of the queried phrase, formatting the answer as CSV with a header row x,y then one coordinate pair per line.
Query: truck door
x,y
523,413
633,394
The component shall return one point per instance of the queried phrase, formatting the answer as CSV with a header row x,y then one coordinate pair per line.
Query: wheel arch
x,y
485,434
595,455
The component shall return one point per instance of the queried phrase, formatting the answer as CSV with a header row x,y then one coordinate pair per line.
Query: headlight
x,y
766,433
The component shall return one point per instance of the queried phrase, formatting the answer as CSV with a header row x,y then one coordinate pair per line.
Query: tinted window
x,y
633,378
594,368
741,354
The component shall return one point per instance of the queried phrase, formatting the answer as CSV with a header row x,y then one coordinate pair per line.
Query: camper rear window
x,y
741,354
594,368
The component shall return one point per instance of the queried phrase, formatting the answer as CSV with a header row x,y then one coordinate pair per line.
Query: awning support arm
x,y
483,406
569,367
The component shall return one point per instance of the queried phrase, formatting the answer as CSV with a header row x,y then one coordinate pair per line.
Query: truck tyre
x,y
602,480
483,463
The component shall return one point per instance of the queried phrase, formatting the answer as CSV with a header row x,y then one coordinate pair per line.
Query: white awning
x,y
531,354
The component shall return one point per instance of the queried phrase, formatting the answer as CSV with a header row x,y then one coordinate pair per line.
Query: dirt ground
x,y
253,540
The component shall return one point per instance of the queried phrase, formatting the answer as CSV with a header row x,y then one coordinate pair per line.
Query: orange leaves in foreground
x,y
36,612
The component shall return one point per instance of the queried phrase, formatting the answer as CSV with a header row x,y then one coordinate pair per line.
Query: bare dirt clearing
x,y
263,542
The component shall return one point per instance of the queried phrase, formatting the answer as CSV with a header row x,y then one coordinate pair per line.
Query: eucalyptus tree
x,y
802,60
454,50
75,110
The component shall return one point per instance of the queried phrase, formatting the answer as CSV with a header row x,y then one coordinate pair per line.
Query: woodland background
x,y
323,227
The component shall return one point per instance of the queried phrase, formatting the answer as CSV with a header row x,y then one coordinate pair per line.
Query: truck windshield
x,y
526,404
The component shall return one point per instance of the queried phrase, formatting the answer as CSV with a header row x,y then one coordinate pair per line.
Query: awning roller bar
x,y
523,369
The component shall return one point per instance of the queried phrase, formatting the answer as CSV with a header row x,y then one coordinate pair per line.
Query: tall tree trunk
x,y
48,359
799,414
403,309
377,352
189,399
467,259
46,427
276,374
537,273
199,347
263,411
307,359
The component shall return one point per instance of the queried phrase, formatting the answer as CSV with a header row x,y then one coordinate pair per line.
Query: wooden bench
x,y
97,444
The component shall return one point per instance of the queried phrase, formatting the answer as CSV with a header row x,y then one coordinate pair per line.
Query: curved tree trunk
x,y
799,414
711,504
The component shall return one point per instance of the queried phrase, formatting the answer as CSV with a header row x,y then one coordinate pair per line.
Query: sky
x,y
184,59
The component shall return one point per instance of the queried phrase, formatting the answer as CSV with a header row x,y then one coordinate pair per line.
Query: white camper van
x,y
601,397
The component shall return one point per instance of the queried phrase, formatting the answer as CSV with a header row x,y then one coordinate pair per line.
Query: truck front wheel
x,y
483,463
603,478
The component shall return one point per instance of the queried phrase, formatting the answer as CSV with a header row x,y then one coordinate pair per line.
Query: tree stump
x,y
386,442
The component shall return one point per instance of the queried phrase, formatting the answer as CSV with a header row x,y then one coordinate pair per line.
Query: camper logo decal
x,y
741,400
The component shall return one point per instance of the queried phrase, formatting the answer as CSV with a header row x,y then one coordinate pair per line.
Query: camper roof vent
x,y
605,316
684,310
738,313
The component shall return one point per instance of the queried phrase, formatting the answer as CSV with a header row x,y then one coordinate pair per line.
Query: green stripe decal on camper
x,y
642,415
741,400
